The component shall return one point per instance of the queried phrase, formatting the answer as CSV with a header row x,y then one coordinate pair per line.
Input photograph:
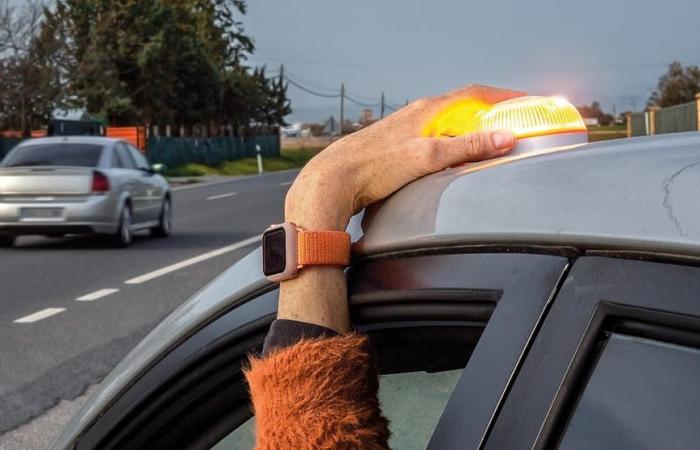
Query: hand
x,y
371,164
365,167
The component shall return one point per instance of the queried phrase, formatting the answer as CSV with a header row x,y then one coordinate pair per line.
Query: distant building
x,y
331,127
591,121
367,117
293,130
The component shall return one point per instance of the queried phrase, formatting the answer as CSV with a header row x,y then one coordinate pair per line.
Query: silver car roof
x,y
98,140
635,195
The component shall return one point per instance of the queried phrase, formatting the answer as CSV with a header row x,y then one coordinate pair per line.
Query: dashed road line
x,y
286,183
188,262
216,197
39,315
96,295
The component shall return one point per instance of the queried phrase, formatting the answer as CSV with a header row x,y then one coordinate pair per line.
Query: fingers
x,y
486,94
471,147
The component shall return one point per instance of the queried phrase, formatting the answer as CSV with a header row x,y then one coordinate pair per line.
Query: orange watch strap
x,y
323,248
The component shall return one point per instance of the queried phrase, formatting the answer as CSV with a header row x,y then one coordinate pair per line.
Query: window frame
x,y
126,160
638,298
137,157
456,290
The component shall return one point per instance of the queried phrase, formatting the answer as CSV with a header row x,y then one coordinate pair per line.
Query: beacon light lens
x,y
525,116
533,116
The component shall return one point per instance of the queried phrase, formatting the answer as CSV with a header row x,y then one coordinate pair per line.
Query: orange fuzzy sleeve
x,y
317,394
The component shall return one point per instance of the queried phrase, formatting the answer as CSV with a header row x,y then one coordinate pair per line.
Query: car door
x,y
134,184
616,363
154,191
426,316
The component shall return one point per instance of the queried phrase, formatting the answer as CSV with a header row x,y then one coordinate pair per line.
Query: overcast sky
x,y
607,50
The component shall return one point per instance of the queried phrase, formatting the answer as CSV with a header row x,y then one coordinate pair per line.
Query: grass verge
x,y
288,159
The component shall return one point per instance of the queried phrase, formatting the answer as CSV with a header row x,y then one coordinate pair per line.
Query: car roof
x,y
98,140
629,195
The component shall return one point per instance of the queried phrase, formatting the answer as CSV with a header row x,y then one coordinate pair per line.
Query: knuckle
x,y
472,143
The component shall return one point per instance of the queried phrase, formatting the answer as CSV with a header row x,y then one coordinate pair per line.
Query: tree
x,y
678,85
30,68
165,62
595,111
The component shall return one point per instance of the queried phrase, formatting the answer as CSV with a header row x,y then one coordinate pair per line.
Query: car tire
x,y
165,221
7,240
125,233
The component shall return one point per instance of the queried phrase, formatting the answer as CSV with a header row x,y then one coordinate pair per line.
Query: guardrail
x,y
674,119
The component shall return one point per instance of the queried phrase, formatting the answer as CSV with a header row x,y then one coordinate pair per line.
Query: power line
x,y
306,81
359,103
310,91
433,68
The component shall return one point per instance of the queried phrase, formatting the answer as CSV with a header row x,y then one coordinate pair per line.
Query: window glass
x,y
140,160
126,161
413,402
642,394
115,163
59,154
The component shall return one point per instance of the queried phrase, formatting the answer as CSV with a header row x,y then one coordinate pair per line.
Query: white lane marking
x,y
188,262
286,183
96,295
37,316
215,197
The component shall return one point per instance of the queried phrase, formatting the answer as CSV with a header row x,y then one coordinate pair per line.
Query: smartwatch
x,y
286,249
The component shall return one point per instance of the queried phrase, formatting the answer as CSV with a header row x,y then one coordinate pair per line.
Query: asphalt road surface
x,y
70,309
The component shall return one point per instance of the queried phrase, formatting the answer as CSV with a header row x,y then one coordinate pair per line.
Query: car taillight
x,y
100,183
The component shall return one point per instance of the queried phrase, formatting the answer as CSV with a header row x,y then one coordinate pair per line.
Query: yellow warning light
x,y
525,116
533,116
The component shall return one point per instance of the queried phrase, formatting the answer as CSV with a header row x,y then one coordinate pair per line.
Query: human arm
x,y
352,173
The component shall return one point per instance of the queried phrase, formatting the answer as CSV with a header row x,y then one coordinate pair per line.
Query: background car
x,y
545,300
81,185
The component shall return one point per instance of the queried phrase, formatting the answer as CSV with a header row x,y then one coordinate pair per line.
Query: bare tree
x,y
24,73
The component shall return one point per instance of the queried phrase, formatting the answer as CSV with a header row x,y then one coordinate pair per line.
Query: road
x,y
70,309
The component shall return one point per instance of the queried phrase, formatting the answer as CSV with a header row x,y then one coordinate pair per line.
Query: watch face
x,y
274,251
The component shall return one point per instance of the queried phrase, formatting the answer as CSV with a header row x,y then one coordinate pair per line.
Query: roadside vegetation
x,y
290,158
603,133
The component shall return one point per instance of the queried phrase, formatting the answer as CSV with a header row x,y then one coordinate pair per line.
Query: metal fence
x,y
7,144
175,152
674,119
638,124
677,118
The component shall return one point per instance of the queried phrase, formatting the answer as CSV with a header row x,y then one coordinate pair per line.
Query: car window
x,y
642,393
59,154
125,158
115,162
413,403
140,160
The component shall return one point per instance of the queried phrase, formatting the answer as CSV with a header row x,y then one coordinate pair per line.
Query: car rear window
x,y
642,393
63,154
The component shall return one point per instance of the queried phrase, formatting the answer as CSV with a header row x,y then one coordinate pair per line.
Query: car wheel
x,y
6,240
165,222
124,234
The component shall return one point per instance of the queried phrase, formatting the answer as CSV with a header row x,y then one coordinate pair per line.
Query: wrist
x,y
318,204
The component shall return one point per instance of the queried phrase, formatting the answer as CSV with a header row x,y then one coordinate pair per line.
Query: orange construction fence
x,y
136,136
18,134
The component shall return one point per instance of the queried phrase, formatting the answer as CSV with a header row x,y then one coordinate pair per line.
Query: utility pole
x,y
342,107
382,113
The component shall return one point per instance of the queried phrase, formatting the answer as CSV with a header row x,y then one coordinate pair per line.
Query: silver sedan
x,y
58,186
